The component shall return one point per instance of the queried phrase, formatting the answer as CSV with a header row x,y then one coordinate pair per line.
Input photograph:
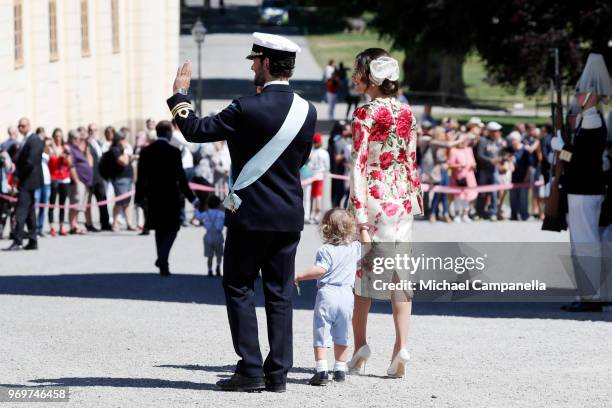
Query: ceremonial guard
x,y
269,137
583,181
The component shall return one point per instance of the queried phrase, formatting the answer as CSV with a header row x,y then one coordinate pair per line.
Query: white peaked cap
x,y
275,42
595,77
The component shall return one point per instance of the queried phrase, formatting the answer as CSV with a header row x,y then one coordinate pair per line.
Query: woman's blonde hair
x,y
338,227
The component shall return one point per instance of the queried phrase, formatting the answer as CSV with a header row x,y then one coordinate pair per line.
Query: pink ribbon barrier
x,y
78,206
198,187
489,188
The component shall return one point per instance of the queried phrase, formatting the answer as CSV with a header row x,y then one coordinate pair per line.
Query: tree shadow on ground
x,y
190,288
237,19
228,88
117,382
225,368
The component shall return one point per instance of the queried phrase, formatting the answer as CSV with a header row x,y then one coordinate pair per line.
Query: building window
x,y
53,53
18,17
115,25
85,52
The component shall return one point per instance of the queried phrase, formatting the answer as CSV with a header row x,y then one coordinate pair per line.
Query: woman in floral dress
x,y
385,193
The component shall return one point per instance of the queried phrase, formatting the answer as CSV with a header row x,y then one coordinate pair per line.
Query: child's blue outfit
x,y
213,220
334,305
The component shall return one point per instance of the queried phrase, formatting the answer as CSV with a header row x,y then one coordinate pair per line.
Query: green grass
x,y
506,120
343,47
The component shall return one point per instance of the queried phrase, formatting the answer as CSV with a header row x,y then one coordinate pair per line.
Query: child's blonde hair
x,y
338,227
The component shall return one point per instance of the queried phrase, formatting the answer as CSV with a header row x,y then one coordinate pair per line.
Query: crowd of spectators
x,y
86,172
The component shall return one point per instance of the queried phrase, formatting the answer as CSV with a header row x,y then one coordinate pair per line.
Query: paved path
x,y
89,313
227,75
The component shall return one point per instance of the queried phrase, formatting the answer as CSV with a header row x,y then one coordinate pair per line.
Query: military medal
x,y
232,202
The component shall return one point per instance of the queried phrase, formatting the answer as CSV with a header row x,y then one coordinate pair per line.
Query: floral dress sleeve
x,y
362,121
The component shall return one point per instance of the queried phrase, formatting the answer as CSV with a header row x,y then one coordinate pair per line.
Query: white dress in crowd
x,y
45,170
319,163
221,166
179,141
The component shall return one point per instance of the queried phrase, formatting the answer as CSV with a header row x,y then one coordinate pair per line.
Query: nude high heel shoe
x,y
359,360
397,369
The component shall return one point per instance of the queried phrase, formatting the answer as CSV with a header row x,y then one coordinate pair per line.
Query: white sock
x,y
340,366
321,365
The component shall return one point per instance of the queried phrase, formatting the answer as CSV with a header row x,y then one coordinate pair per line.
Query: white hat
x,y
493,126
474,120
595,77
514,135
272,45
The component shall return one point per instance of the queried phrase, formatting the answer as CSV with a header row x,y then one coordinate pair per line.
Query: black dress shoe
x,y
275,387
144,232
106,228
583,307
14,247
339,376
319,379
164,271
241,383
32,245
91,228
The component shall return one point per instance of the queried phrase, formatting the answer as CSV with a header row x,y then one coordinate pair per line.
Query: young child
x,y
334,269
213,219
319,165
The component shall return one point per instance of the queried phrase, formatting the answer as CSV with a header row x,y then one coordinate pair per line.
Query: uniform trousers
x,y
164,239
246,254
590,256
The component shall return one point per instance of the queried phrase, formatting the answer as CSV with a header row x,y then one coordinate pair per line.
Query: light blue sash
x,y
265,158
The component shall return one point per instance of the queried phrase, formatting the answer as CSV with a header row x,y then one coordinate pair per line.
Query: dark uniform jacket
x,y
274,201
161,179
28,165
584,173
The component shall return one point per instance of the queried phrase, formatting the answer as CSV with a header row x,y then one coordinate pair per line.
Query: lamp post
x,y
198,31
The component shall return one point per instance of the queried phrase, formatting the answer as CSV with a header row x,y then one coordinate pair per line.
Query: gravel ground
x,y
90,313
104,325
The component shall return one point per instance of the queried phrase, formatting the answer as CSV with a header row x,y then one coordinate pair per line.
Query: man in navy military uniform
x,y
264,231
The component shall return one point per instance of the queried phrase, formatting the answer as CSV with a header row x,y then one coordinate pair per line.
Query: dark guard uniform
x,y
264,232
161,179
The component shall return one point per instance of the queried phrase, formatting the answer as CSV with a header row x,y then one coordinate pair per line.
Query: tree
x,y
516,40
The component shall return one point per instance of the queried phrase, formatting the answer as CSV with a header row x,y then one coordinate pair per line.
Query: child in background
x,y
319,165
334,269
213,220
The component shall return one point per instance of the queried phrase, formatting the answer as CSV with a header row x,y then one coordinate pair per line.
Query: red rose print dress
x,y
385,190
